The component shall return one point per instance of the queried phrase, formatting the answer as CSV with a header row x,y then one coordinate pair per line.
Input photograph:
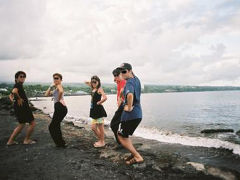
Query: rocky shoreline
x,y
81,161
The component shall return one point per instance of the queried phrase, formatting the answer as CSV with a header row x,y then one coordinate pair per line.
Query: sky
x,y
168,42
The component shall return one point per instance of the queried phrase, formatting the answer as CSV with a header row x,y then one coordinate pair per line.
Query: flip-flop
x,y
134,161
128,158
99,146
13,143
30,143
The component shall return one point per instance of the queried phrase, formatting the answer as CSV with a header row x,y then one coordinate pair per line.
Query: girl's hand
x,y
88,83
52,85
62,101
20,102
99,103
11,97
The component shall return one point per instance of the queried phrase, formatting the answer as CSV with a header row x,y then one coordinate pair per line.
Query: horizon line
x,y
152,84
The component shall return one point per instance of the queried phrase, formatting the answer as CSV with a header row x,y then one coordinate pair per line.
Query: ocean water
x,y
172,117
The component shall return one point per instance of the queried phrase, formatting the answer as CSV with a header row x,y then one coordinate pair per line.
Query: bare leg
x,y
96,130
127,143
30,129
101,133
16,131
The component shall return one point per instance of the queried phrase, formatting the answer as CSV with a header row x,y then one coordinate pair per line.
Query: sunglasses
x,y
22,76
116,75
124,71
94,82
56,78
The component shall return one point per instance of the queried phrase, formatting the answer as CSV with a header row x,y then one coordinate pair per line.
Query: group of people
x,y
124,122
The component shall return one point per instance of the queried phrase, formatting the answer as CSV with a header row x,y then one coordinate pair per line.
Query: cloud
x,y
168,42
21,29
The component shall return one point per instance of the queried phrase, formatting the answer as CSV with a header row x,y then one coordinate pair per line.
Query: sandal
x,y
128,158
96,145
134,161
30,142
13,143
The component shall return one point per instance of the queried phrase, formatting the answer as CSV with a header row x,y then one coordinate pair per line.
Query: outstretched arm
x,y
88,83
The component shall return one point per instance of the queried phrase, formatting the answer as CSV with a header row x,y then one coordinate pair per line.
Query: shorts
x,y
23,113
98,121
128,127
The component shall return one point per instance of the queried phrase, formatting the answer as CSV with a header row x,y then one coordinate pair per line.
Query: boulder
x,y
217,131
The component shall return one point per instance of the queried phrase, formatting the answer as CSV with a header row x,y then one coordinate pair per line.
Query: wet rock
x,y
5,103
79,127
197,166
69,123
238,133
139,166
227,175
156,167
217,130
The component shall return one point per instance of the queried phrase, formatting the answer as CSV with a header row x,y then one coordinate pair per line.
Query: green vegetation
x,y
37,90
170,88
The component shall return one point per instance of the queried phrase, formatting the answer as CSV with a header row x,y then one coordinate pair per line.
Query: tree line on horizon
x,y
37,90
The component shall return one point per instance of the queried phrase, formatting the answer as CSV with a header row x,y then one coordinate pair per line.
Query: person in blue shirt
x,y
132,113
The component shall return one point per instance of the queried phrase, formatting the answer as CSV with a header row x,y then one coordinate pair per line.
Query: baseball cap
x,y
116,72
125,66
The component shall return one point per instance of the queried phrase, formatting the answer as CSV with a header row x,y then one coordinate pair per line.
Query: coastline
x,y
80,160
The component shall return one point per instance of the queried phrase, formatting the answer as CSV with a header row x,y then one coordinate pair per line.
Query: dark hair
x,y
18,74
57,74
97,79
116,72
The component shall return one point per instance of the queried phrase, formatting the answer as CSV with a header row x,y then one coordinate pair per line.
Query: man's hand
x,y
127,109
119,102
20,101
99,103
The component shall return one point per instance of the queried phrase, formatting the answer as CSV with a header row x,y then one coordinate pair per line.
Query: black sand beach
x,y
81,161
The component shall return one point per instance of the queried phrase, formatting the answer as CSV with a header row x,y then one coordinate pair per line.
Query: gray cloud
x,y
168,42
21,29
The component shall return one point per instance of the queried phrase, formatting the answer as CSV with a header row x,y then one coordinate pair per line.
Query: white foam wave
x,y
169,137
162,136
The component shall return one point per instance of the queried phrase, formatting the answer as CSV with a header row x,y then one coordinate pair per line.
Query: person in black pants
x,y
60,110
116,120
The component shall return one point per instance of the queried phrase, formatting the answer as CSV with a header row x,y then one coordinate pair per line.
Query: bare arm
x,y
119,100
19,99
11,97
104,97
49,91
60,92
129,106
88,83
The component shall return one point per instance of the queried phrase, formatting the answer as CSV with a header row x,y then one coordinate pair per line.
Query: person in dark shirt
x,y
22,110
97,111
115,122
132,112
